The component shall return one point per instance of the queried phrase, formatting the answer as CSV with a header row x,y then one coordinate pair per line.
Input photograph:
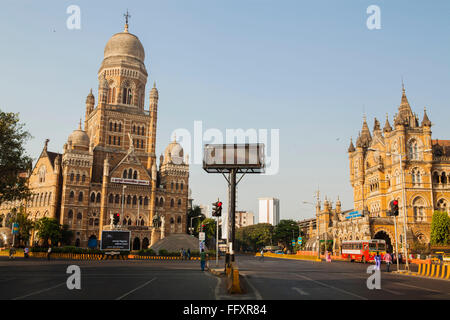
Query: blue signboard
x,y
15,228
353,214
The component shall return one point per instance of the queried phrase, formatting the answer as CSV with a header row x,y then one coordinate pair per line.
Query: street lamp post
x,y
191,229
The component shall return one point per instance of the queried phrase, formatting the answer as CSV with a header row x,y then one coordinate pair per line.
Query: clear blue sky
x,y
308,68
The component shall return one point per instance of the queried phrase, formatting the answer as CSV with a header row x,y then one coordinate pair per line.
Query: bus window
x,y
372,246
381,246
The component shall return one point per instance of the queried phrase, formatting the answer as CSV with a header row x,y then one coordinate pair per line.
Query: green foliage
x,y
254,237
192,213
147,252
420,248
13,160
25,224
49,229
286,231
67,249
163,252
440,228
209,229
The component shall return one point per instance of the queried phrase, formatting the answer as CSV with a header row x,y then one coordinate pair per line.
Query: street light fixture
x,y
191,229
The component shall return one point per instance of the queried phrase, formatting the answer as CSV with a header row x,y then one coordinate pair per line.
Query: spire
x,y
387,125
425,122
126,15
365,137
376,125
79,125
351,148
405,115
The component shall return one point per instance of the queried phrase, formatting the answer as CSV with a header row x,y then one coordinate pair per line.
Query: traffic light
x,y
116,219
394,208
217,209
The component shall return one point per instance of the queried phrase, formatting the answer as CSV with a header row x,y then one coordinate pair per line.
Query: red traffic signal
x,y
395,203
217,209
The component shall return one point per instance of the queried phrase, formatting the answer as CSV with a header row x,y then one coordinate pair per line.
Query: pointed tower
x,y
90,103
387,126
151,144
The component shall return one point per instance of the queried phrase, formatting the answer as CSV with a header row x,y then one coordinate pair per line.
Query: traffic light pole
x,y
217,241
232,211
396,242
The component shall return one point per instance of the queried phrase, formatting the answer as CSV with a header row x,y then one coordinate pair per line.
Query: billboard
x,y
116,240
248,158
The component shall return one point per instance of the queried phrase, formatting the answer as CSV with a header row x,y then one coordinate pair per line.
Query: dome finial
x,y
79,125
126,15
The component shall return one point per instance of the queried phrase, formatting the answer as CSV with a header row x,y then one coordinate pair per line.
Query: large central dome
x,y
124,44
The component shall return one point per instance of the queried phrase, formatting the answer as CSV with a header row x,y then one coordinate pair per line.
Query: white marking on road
x,y
130,292
331,287
303,293
421,288
257,294
392,291
40,291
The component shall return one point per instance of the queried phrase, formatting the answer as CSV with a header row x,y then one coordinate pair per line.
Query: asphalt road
x,y
274,279
183,280
110,279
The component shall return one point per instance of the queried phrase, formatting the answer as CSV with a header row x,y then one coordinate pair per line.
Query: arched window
x,y
93,197
145,202
161,202
436,177
176,186
78,177
142,222
134,200
419,209
413,150
127,96
179,203
181,186
110,126
71,195
443,178
79,217
171,186
71,176
117,200
111,198
171,203
98,199
120,127
134,129
83,178
129,199
138,130
172,221
70,214
442,205
135,175
130,174
80,197
143,131
124,174
179,219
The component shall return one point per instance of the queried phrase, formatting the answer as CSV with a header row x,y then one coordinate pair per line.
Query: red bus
x,y
363,250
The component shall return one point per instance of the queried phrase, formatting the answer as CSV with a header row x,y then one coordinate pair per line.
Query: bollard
x,y
433,268
420,270
428,269
437,270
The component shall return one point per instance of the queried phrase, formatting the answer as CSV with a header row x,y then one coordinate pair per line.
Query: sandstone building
x,y
109,163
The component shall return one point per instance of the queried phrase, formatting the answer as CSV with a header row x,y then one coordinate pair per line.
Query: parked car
x,y
279,252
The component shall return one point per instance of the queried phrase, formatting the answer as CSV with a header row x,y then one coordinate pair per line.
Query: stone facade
x,y
394,163
110,166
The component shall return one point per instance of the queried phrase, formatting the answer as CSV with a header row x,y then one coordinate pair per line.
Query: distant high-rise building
x,y
269,211
244,218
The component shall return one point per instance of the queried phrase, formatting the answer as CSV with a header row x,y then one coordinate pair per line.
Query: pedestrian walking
x,y
203,256
377,261
12,252
25,252
388,260
262,255
181,254
49,251
184,255
328,256
189,254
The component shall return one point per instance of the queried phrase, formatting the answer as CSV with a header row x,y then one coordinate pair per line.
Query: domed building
x,y
109,166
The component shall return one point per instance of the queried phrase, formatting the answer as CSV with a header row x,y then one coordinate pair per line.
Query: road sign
x,y
300,240
15,228
117,240
201,236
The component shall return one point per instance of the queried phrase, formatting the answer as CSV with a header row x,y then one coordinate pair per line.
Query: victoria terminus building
x,y
109,165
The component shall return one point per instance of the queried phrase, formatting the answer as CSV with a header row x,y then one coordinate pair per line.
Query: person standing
x,y
181,254
25,252
203,256
12,252
49,251
189,254
377,261
262,255
388,260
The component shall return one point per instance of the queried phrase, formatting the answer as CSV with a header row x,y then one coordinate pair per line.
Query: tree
x,y
192,213
440,228
286,231
66,234
49,229
209,230
13,160
25,224
254,237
